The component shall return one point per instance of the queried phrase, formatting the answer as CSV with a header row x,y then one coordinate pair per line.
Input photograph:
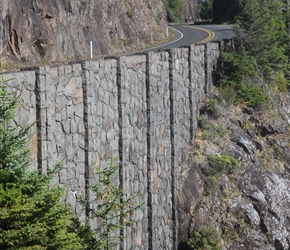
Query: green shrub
x,y
211,185
241,77
174,7
278,151
252,95
205,9
237,66
206,238
221,130
228,93
218,165
281,82
212,107
221,164
112,210
202,121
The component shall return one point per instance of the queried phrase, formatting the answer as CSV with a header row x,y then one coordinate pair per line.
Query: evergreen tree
x,y
259,61
263,33
205,9
112,211
31,215
174,7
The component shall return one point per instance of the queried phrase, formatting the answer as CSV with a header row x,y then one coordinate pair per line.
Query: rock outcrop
x,y
250,207
62,30
49,31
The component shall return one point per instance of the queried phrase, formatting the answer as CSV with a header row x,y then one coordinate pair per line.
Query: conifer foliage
x,y
31,214
259,62
205,9
113,208
263,32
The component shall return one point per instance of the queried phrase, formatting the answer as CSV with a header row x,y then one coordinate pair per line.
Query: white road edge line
x,y
181,36
162,45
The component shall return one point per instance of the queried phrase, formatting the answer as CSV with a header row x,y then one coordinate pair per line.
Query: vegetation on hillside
x,y
225,11
259,61
252,71
205,9
174,7
205,238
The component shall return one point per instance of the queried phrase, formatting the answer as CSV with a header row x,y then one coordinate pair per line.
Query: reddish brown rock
x,y
62,30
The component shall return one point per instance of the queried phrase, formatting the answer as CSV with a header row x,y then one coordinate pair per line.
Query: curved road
x,y
194,34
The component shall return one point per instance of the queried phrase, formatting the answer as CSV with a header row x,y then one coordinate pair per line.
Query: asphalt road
x,y
194,34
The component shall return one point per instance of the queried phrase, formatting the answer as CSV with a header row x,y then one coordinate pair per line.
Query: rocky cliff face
x,y
62,30
250,207
49,31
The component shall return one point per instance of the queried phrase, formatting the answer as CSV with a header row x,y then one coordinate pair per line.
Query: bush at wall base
x,y
205,238
31,215
113,209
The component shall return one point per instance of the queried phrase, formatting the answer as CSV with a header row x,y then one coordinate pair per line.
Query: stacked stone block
x,y
61,127
197,81
211,56
23,86
141,110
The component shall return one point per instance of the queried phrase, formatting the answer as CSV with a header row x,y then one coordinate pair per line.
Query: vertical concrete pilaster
x,y
134,144
173,150
207,69
40,89
86,86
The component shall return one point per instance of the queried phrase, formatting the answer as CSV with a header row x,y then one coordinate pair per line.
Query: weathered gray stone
x,y
89,114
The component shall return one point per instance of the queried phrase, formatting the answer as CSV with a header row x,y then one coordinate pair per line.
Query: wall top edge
x,y
171,50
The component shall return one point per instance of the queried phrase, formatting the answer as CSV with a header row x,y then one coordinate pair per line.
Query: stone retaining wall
x,y
141,110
